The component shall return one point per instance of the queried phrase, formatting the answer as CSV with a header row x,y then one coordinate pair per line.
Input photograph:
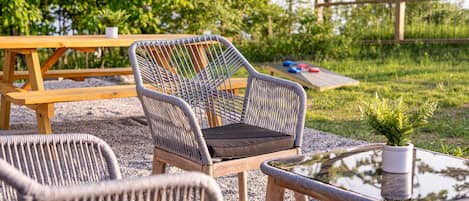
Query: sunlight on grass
x,y
337,111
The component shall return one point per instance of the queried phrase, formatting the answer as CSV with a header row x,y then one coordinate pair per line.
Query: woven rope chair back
x,y
197,70
58,160
175,187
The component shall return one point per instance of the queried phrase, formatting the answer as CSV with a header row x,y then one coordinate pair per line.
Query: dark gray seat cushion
x,y
242,140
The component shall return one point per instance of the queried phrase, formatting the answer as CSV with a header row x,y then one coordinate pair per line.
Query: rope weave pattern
x,y
196,70
178,187
170,128
58,160
272,106
78,167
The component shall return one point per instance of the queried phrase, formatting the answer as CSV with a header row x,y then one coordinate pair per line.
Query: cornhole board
x,y
320,81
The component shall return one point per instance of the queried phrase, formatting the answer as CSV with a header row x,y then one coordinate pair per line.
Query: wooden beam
x,y
399,15
72,94
175,160
85,49
249,163
7,80
76,73
44,113
47,64
319,10
34,68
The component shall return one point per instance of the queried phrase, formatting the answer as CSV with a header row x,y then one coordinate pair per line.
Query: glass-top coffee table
x,y
355,174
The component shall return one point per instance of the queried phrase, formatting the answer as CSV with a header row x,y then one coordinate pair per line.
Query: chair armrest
x,y
170,187
276,104
173,125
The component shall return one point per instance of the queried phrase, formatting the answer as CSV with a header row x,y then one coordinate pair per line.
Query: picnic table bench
x,y
33,95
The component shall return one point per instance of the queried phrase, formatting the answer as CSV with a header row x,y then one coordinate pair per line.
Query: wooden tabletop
x,y
23,42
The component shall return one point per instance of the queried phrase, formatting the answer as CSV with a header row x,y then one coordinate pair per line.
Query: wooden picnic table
x,y
33,95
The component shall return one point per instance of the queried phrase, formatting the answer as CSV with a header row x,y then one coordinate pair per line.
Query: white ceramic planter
x,y
398,159
111,32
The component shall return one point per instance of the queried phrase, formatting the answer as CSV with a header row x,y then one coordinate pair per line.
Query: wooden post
x,y
47,64
319,10
270,32
8,72
44,112
399,21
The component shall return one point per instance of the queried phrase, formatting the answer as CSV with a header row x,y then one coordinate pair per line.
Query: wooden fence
x,y
429,21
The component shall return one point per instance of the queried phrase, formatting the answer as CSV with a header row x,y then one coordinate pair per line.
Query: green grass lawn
x,y
337,111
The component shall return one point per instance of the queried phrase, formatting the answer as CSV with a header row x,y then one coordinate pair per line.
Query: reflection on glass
x,y
435,176
396,186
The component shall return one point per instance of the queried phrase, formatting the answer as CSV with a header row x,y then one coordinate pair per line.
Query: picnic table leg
x,y
43,114
47,64
8,71
43,111
274,191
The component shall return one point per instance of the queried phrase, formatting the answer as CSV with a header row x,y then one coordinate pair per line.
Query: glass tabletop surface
x,y
434,177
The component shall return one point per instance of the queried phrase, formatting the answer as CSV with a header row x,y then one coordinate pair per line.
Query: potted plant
x,y
112,19
392,119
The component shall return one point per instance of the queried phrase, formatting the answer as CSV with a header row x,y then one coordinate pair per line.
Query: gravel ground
x,y
118,122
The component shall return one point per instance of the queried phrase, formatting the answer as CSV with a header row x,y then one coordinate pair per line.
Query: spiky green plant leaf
x,y
392,119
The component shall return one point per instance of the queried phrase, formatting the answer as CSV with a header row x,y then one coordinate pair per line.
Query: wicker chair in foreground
x,y
83,167
197,123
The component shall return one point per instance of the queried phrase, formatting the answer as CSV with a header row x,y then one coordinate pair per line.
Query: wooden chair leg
x,y
242,186
274,192
300,197
158,167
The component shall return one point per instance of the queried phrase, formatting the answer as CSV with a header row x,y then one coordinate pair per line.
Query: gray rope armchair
x,y
197,123
83,167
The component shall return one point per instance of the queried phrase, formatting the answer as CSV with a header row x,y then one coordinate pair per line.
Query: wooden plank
x,y
77,41
234,83
72,94
249,163
7,88
7,80
48,64
76,73
34,68
85,49
399,15
321,81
